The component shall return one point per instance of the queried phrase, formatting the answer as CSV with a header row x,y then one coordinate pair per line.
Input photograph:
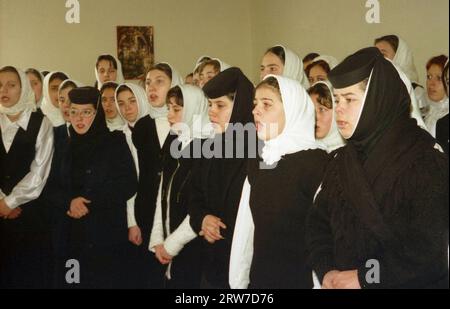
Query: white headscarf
x,y
141,98
223,65
293,67
199,61
119,79
405,60
437,111
195,116
334,139
415,110
161,112
53,113
26,100
77,84
330,60
299,131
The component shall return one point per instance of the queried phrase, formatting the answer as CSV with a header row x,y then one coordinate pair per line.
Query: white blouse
x,y
31,186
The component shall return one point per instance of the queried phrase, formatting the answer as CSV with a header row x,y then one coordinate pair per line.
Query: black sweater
x,y
280,200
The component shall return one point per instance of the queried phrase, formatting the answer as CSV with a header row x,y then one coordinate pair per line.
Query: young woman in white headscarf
x,y
108,69
395,49
436,95
26,151
150,137
269,249
173,240
279,60
50,104
108,96
326,130
318,70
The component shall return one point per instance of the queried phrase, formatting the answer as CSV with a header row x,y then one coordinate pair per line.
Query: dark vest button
x,y
88,172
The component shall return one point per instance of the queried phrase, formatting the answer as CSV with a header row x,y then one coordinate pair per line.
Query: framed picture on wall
x,y
135,49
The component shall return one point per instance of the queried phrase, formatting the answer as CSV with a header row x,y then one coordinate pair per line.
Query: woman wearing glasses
x,y
92,177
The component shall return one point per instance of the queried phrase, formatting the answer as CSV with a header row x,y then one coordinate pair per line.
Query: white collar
x,y
22,122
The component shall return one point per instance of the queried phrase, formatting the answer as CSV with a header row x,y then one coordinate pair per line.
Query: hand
x,y
135,235
328,279
78,208
346,280
5,211
15,214
161,254
211,226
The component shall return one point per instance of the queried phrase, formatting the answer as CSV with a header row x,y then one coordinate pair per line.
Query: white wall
x,y
34,32
339,28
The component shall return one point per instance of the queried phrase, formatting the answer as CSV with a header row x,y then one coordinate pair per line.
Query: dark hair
x,y
35,73
45,73
277,51
321,63
108,85
445,78
438,60
190,75
177,94
10,69
271,83
164,67
391,39
108,58
122,89
58,75
214,63
324,95
310,57
68,84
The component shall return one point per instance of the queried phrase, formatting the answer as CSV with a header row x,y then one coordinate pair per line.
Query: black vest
x,y
15,164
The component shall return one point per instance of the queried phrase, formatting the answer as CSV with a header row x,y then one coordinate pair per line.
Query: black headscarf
x,y
82,146
386,140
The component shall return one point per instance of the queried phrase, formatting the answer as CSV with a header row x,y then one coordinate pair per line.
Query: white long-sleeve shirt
x,y
31,186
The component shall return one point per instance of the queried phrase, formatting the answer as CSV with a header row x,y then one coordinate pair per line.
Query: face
x,y
349,102
36,85
189,80
269,113
157,85
109,103
106,72
271,64
64,103
435,85
316,74
196,79
10,89
53,91
386,49
219,112
324,118
208,73
175,112
128,106
81,117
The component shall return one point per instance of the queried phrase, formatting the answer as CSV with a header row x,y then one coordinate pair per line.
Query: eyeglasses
x,y
85,113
